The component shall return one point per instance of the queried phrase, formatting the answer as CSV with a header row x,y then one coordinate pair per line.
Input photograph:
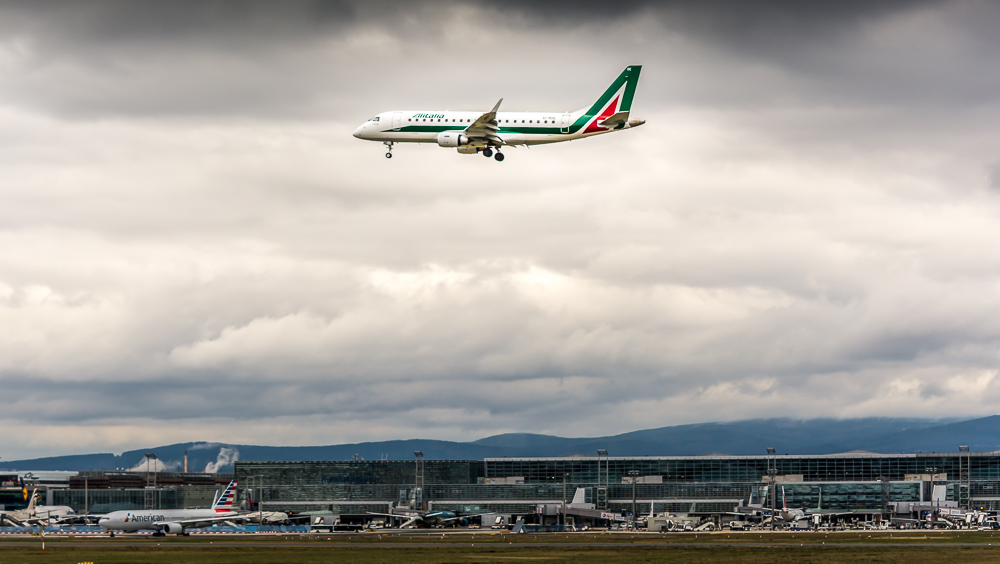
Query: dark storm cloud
x,y
120,22
254,59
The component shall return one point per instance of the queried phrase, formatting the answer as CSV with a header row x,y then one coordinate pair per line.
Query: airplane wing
x,y
826,513
467,515
485,127
201,521
11,521
411,521
410,518
85,519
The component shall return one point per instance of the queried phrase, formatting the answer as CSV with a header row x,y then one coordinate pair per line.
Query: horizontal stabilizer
x,y
615,120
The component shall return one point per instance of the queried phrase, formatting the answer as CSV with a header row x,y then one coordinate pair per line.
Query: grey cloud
x,y
994,176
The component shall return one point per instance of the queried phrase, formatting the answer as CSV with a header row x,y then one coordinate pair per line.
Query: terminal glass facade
x,y
860,482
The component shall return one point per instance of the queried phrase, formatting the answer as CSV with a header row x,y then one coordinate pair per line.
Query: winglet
x,y
491,115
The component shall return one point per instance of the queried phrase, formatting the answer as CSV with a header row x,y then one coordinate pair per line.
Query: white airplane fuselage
x,y
155,519
516,128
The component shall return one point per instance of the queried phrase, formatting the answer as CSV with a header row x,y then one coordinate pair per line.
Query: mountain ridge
x,y
737,438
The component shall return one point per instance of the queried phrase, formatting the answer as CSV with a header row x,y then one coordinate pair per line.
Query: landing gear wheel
x,y
388,155
112,534
487,152
388,145
498,156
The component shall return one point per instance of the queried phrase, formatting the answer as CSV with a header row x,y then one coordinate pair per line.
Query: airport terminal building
x,y
859,483
862,483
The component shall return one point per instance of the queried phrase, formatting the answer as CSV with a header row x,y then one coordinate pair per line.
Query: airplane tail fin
x,y
783,506
621,92
579,497
612,108
225,502
31,502
251,506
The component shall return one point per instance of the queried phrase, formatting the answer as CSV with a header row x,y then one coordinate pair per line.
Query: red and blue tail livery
x,y
225,502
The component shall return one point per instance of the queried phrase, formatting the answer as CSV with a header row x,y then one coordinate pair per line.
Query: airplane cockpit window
x,y
374,119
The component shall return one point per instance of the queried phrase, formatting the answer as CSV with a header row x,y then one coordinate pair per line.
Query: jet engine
x,y
172,529
452,139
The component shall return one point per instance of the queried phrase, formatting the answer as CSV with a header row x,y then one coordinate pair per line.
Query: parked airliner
x,y
486,133
172,521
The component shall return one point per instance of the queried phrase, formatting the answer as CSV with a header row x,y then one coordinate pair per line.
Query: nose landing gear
x,y
388,145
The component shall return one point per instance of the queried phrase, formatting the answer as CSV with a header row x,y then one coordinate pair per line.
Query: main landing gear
x,y
388,146
488,152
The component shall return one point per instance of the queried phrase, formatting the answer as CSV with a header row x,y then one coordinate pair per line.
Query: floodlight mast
x,y
772,472
418,494
150,494
964,478
634,474
602,480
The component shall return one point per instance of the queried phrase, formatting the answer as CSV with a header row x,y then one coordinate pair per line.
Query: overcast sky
x,y
194,247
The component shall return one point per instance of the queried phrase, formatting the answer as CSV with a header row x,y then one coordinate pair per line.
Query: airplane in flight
x,y
172,521
486,133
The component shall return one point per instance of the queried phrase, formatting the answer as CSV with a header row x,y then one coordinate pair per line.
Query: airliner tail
x,y
225,502
618,97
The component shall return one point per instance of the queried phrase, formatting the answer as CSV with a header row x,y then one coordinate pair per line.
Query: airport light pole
x,y
965,478
772,474
933,472
150,494
602,480
418,495
634,474
260,500
564,500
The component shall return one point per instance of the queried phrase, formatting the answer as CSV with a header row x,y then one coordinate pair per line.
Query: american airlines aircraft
x,y
486,133
172,521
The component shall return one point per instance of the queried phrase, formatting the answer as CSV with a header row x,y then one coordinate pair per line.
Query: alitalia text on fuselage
x,y
489,132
